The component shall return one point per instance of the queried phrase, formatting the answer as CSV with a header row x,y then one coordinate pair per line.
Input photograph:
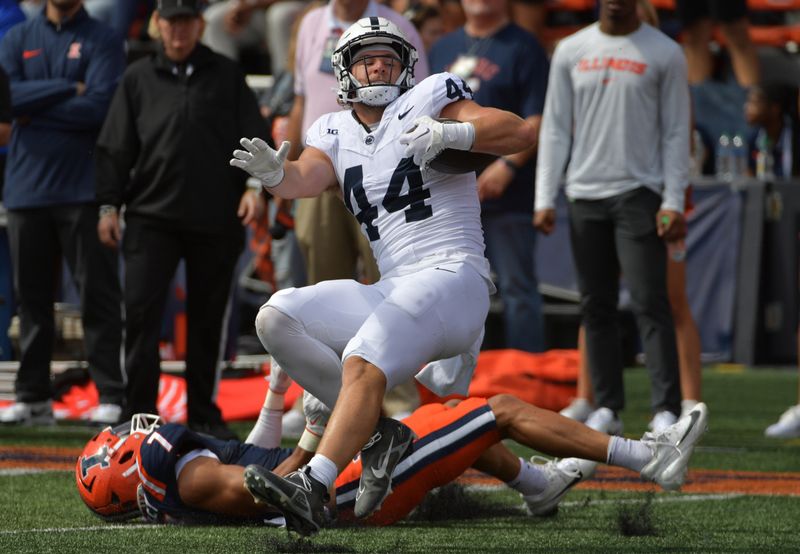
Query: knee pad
x,y
273,326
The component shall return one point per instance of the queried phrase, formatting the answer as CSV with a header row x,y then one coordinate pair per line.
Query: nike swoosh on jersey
x,y
405,113
28,54
380,471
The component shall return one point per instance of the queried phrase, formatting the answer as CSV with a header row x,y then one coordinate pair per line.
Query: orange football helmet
x,y
106,471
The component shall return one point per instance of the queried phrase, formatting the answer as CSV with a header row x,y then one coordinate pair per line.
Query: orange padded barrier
x,y
773,5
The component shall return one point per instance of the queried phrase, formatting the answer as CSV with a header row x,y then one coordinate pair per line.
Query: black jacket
x,y
164,148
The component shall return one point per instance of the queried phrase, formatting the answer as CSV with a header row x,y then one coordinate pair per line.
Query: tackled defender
x,y
169,473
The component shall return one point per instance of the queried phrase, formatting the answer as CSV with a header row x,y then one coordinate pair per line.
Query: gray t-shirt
x,y
618,108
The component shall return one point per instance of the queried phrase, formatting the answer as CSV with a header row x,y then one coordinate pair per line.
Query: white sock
x,y
266,433
627,453
530,479
323,470
687,406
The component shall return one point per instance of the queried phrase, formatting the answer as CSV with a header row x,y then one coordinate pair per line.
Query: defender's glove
x,y
428,137
261,161
317,414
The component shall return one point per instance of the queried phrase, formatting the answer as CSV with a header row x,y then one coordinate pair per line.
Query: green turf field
x,y
42,512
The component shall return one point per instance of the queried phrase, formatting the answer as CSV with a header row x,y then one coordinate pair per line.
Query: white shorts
x,y
398,324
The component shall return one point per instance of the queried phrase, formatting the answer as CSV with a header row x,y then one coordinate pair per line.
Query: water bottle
x,y
764,160
724,155
739,151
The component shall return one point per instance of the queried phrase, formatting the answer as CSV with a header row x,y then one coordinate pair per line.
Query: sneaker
x,y
28,413
787,427
661,420
673,447
389,444
300,498
586,467
605,421
579,410
106,414
561,476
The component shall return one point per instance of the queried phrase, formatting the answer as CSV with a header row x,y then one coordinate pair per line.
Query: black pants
x,y
38,237
620,233
725,11
152,253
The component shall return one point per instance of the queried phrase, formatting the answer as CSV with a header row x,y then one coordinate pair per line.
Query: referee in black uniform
x,y
163,156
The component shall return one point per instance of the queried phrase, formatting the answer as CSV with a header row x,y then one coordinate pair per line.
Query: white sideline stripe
x,y
657,500
81,529
17,471
686,498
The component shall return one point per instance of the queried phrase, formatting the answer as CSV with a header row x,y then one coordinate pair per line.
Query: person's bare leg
x,y
581,405
798,366
696,40
543,485
584,389
744,57
498,461
547,431
356,412
688,338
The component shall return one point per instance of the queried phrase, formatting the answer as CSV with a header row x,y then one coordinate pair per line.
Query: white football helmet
x,y
368,32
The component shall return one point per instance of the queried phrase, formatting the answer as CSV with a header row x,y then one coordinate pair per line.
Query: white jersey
x,y
409,217
618,107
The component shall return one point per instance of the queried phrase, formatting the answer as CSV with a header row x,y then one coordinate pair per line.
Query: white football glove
x,y
317,413
279,380
261,161
427,138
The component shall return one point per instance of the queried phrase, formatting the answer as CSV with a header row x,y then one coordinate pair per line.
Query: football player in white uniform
x,y
348,343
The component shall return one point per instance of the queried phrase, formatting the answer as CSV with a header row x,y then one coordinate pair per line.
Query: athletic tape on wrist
x,y
460,136
309,441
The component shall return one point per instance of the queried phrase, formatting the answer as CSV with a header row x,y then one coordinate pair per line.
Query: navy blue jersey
x,y
162,449
507,70
50,157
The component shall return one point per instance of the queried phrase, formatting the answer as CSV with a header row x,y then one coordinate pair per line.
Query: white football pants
x,y
398,324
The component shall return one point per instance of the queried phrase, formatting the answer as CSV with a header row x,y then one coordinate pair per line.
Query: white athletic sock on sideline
x,y
530,479
627,453
323,470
